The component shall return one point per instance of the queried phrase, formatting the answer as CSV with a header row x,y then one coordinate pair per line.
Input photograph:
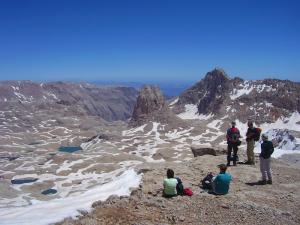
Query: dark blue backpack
x,y
179,186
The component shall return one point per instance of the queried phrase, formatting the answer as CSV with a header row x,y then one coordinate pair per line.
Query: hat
x,y
264,136
222,166
233,123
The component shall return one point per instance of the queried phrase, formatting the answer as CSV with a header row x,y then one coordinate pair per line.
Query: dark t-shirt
x,y
267,149
251,132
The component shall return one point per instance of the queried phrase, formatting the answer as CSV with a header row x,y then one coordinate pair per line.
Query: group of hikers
x,y
219,184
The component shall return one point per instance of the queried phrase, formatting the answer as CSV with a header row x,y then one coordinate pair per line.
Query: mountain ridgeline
x,y
109,103
216,94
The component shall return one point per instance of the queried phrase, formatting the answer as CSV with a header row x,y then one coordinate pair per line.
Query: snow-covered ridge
x,y
247,87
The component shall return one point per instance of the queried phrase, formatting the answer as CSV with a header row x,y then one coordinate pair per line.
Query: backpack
x,y
206,182
179,186
234,134
257,134
188,191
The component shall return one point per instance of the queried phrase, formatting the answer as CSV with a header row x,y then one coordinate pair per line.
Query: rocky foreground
x,y
247,203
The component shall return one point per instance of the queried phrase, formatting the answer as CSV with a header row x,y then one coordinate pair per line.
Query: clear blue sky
x,y
148,40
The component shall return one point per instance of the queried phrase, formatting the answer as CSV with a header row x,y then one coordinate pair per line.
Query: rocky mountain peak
x,y
150,99
217,75
207,94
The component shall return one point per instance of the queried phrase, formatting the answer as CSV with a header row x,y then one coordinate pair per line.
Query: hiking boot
x,y
262,182
269,182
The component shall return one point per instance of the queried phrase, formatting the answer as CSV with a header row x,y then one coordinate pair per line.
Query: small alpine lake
x,y
69,149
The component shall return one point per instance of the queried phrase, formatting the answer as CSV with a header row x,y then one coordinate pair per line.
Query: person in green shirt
x,y
170,184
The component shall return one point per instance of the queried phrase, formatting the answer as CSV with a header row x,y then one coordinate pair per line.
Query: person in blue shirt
x,y
221,182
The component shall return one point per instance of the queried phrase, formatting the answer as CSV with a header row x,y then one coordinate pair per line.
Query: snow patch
x,y
246,89
191,112
52,211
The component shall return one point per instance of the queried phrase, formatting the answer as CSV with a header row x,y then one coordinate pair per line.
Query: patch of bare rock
x,y
245,204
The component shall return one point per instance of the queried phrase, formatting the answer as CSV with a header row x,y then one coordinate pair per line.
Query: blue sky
x,y
148,40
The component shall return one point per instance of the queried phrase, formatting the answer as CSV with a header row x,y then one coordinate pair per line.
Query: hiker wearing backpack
x,y
267,150
233,141
252,135
170,184
221,182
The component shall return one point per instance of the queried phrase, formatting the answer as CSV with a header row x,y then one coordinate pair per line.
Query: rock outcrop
x,y
150,100
203,151
151,106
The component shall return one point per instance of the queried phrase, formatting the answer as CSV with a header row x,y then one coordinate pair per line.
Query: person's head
x,y
264,137
233,123
170,173
250,123
223,168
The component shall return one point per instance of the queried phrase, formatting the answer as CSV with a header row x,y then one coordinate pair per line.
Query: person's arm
x,y
270,150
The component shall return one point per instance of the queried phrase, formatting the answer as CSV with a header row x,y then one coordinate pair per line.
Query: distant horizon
x,y
141,81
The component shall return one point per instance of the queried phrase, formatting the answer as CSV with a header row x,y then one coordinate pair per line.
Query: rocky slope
x,y
109,103
247,203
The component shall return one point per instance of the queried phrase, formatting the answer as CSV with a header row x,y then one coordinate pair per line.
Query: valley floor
x,y
246,203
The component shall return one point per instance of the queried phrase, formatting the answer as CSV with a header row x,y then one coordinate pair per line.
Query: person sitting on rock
x,y
233,141
170,184
221,182
267,150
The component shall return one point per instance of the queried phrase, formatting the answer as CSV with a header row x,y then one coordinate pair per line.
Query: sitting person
x,y
170,184
221,182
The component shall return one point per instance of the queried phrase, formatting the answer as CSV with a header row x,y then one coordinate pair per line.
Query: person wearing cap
x,y
221,182
232,136
267,150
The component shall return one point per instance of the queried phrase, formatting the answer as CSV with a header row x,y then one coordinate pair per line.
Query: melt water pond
x,y
49,191
69,149
24,181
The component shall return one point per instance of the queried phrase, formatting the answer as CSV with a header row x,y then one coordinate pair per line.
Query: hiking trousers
x,y
250,150
265,168
231,147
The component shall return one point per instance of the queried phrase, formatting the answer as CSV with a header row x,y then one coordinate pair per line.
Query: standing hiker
x,y
250,139
265,160
233,141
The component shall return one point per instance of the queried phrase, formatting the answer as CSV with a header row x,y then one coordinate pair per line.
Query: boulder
x,y
200,151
